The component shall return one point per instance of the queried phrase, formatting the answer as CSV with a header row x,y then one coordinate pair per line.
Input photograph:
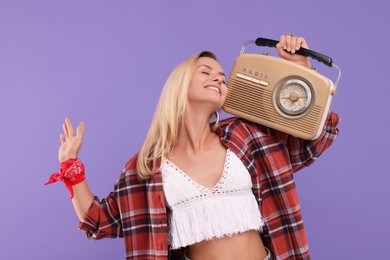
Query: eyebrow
x,y
209,67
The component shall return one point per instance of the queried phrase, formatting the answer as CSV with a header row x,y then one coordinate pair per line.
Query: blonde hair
x,y
166,122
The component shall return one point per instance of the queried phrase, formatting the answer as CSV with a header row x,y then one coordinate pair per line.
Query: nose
x,y
218,79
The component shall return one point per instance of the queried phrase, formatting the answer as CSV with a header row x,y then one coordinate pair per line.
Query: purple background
x,y
105,62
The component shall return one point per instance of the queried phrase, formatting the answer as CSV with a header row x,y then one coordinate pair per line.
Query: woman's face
x,y
208,84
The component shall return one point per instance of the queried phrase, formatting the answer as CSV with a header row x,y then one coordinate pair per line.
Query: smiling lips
x,y
214,88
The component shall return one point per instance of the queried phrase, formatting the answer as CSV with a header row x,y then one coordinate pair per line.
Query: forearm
x,y
82,199
305,152
99,219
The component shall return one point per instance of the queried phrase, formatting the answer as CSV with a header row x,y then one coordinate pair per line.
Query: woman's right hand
x,y
70,143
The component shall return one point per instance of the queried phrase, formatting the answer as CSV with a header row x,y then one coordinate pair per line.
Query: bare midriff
x,y
246,245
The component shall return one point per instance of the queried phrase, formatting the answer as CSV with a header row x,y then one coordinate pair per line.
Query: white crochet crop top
x,y
200,213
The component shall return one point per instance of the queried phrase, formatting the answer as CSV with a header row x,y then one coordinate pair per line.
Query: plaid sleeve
x,y
102,219
305,152
135,211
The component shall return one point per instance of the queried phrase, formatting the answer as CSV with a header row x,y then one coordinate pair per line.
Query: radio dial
x,y
294,97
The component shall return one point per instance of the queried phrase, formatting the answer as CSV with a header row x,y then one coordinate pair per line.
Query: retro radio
x,y
280,94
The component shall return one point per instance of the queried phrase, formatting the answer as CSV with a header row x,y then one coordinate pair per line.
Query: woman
x,y
201,191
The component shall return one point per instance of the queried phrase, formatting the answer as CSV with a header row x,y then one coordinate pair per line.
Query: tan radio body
x,y
280,94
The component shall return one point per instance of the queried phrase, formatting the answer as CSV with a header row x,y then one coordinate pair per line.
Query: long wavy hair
x,y
164,129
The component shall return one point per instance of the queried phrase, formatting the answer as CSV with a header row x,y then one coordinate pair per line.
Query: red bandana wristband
x,y
72,173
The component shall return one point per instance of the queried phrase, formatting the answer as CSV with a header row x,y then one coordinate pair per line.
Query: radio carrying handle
x,y
302,51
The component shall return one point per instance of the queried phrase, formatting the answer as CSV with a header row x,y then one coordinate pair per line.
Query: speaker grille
x,y
256,101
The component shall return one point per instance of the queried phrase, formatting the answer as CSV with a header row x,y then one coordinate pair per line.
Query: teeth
x,y
213,88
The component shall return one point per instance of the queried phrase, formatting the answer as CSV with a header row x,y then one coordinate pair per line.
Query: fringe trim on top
x,y
214,218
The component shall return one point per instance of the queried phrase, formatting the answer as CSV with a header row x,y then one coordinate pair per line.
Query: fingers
x,y
291,43
65,131
302,42
69,127
294,47
69,131
80,130
62,138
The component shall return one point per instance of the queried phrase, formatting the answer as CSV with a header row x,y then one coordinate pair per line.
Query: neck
x,y
195,133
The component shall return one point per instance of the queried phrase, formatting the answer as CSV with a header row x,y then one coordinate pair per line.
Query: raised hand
x,y
287,47
70,142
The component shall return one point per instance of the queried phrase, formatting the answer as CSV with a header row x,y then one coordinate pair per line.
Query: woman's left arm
x,y
304,152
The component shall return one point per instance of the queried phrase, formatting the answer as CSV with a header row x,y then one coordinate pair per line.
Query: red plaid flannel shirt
x,y
137,210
